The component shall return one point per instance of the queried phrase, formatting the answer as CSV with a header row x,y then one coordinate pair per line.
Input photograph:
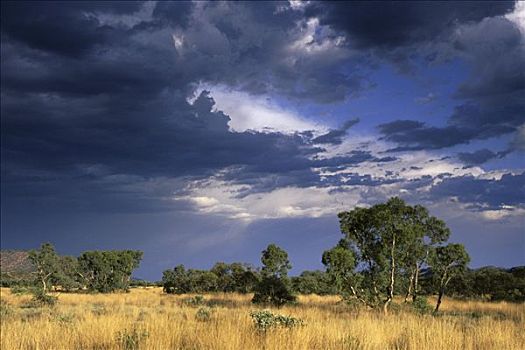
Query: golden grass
x,y
84,321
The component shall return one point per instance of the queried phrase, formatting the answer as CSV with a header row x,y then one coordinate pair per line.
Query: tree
x,y
244,277
390,242
274,287
108,271
47,264
201,281
224,277
427,232
340,264
67,277
275,262
447,262
234,277
313,282
176,281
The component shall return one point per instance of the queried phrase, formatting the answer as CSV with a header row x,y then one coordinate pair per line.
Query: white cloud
x,y
258,113
518,15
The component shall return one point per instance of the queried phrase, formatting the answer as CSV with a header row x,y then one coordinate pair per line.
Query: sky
x,y
200,132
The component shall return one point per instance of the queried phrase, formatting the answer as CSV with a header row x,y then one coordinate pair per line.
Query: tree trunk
x,y
390,296
410,284
444,281
416,281
441,292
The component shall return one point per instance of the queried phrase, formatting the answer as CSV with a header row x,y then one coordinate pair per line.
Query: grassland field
x,y
146,318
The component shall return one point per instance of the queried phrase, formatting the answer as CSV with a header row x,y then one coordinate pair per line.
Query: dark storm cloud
x,y
87,104
415,135
391,24
483,193
480,156
175,13
105,122
335,137
65,28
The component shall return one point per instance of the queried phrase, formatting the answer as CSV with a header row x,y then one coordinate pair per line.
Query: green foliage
x,y
340,264
203,314
68,274
274,287
20,290
132,339
196,300
41,298
108,271
421,306
313,282
265,320
275,262
5,309
447,262
390,244
273,290
47,264
175,281
181,281
235,277
490,283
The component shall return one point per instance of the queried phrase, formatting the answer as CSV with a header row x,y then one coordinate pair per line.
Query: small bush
x,y
203,314
19,290
421,306
196,300
265,320
273,290
40,298
131,339
5,309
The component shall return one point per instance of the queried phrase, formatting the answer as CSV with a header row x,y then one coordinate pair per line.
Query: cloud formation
x,y
239,111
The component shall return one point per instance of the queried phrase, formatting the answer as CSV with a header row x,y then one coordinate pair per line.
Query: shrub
x,y
265,320
421,306
5,309
40,298
195,301
19,290
273,290
131,339
203,314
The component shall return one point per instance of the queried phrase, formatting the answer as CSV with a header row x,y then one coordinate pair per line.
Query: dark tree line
x,y
100,271
235,277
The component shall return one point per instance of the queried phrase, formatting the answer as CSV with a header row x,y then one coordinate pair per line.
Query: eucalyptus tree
x,y
447,262
274,286
47,264
107,271
340,262
390,240
427,232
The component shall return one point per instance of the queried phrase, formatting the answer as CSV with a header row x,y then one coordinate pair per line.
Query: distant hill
x,y
15,265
